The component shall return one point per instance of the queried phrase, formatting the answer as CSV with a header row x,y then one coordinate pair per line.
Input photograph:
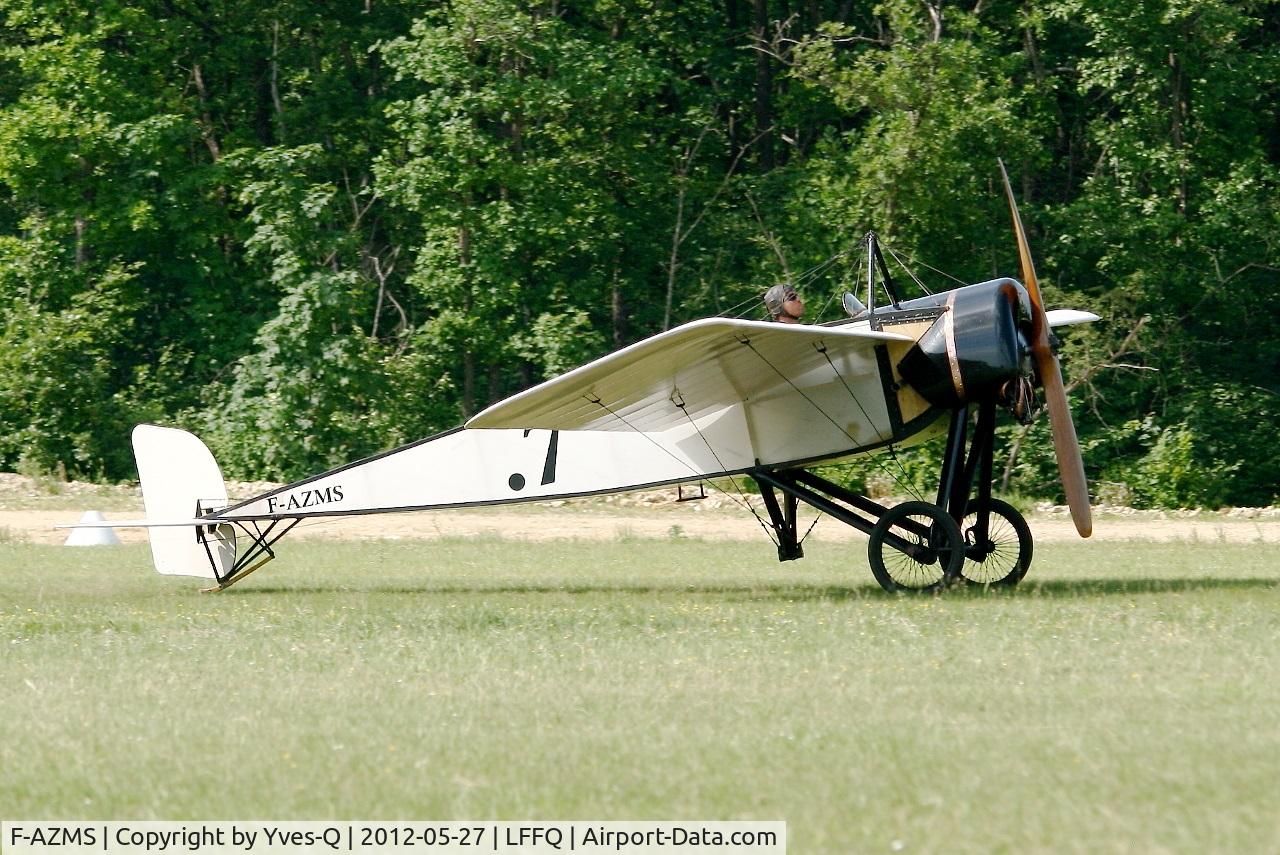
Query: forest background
x,y
312,230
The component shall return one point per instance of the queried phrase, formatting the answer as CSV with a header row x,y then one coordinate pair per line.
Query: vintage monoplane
x,y
715,398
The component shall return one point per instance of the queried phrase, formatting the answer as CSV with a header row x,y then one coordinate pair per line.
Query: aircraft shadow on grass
x,y
787,592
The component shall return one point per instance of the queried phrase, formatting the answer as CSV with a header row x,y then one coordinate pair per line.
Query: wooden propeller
x,y
1066,447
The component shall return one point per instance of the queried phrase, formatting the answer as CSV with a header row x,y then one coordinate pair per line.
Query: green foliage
x,y
527,172
1174,471
308,394
933,110
1201,460
558,342
314,231
61,396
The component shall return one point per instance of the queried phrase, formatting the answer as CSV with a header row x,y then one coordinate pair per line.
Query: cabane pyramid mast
x,y
875,260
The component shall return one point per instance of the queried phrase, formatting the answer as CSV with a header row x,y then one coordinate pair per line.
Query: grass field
x,y
1124,699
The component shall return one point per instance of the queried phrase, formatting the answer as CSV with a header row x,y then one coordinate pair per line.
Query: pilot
x,y
784,304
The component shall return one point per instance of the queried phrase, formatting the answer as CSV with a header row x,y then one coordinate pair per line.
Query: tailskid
x,y
261,540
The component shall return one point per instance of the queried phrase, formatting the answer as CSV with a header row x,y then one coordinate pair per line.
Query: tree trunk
x,y
82,222
1179,117
275,83
468,402
468,384
495,384
206,118
617,311
764,85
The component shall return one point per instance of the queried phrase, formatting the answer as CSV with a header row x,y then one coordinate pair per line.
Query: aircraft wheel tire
x,y
1006,556
940,553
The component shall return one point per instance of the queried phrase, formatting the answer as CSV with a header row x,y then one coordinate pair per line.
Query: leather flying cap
x,y
776,296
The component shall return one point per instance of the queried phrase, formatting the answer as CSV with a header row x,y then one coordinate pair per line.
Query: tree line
x,y
311,230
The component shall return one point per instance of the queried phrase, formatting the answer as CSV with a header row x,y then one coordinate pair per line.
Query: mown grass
x,y
1123,699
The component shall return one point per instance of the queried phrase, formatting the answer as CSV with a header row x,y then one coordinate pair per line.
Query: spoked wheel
x,y
916,546
1005,555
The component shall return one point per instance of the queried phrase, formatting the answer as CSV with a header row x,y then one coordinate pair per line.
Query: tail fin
x,y
181,480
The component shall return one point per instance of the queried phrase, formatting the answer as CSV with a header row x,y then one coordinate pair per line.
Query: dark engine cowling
x,y
973,349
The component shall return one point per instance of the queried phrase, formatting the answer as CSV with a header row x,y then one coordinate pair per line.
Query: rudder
x,y
180,479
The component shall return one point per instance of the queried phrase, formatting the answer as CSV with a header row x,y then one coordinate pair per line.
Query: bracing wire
x,y
818,269
747,343
903,482
827,304
826,415
917,261
809,530
827,356
910,273
740,309
746,504
679,402
601,404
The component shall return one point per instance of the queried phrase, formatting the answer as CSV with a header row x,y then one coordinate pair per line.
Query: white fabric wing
x,y
707,366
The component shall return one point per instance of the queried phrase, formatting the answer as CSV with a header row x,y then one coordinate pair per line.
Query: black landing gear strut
x,y
919,546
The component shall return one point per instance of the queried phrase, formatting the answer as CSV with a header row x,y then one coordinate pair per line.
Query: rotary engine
x,y
976,349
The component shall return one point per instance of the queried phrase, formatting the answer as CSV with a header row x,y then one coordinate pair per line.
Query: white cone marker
x,y
92,536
